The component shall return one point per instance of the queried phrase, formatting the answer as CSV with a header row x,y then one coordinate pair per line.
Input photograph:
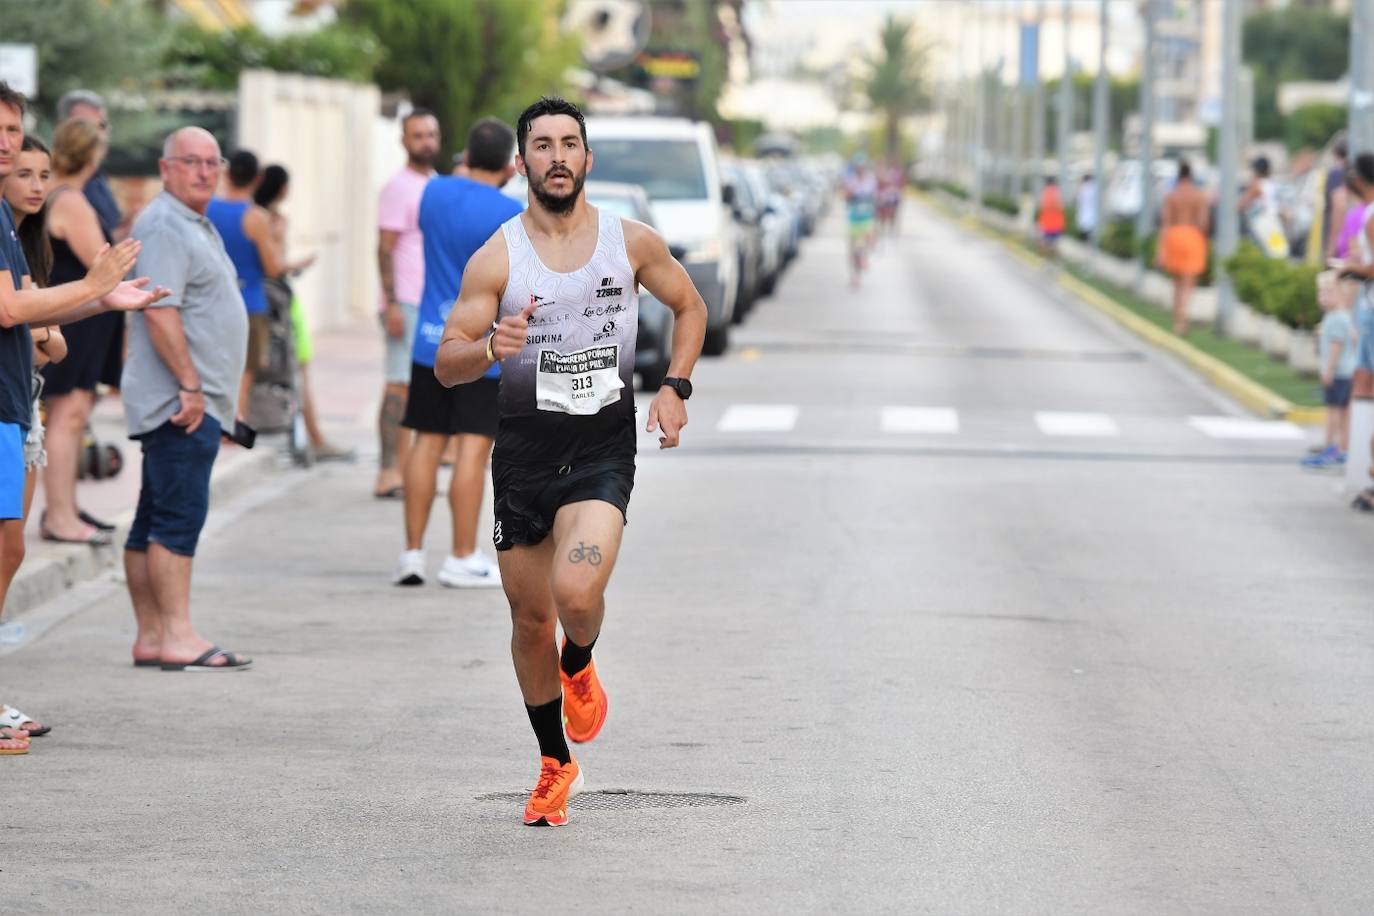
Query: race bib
x,y
578,383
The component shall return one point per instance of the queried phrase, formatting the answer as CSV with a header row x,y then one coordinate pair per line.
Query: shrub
x,y
1285,290
1118,238
1003,203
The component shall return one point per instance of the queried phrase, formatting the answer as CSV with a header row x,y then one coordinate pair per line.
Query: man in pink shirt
x,y
401,262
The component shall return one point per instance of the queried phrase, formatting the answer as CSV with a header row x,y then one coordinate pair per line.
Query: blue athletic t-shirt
x,y
227,215
16,346
457,216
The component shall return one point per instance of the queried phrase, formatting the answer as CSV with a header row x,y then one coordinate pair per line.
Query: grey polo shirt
x,y
183,252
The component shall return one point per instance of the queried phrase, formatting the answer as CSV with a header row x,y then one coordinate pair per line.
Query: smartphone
x,y
243,434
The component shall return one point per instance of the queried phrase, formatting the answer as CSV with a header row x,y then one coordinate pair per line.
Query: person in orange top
x,y
1051,219
1183,241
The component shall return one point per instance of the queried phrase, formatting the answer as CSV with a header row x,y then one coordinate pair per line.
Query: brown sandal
x,y
13,741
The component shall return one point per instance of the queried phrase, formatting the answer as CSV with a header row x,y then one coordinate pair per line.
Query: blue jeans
x,y
175,496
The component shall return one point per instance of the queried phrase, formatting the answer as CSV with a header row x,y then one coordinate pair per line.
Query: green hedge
x,y
1286,290
1003,203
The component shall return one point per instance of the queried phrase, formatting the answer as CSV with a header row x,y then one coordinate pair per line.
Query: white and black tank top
x,y
569,394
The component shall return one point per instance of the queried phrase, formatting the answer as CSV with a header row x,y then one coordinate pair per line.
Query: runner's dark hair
x,y
12,97
243,168
33,231
489,145
1184,169
548,105
275,178
417,113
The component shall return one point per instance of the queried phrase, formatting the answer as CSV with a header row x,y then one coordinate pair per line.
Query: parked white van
x,y
675,161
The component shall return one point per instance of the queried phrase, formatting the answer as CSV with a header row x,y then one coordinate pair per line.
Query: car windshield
x,y
667,169
620,206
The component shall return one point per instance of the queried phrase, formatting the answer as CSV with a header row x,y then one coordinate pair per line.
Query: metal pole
x,y
1145,220
1038,114
1017,147
1100,123
979,116
1228,220
1065,132
1361,76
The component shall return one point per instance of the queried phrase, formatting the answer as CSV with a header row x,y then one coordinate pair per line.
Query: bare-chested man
x,y
1185,218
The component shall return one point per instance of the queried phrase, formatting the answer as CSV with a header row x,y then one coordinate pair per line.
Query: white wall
x,y
322,131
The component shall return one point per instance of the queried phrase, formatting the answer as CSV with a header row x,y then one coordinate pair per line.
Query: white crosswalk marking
x,y
758,418
920,420
1242,428
1064,423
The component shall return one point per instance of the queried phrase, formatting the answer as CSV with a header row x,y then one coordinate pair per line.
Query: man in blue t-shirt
x,y
457,216
21,305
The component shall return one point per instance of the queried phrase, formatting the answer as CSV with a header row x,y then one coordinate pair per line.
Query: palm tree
x,y
895,81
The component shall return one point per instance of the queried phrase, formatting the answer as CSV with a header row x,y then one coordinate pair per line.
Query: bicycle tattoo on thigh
x,y
591,553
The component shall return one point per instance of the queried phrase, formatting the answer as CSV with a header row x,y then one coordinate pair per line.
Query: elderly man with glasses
x,y
180,390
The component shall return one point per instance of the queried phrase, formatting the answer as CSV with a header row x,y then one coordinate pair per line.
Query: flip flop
x,y
147,663
232,662
13,718
93,521
393,493
8,735
98,538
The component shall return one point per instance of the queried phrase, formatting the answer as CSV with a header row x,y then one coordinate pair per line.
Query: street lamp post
x,y
1361,128
1228,220
1100,124
1038,114
979,116
1145,218
1065,132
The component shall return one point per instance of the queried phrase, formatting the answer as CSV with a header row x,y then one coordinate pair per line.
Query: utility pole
x,y
1361,127
1145,219
1100,124
1228,220
979,115
1037,155
1065,133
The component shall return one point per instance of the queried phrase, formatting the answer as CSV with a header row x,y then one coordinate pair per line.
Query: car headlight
x,y
708,250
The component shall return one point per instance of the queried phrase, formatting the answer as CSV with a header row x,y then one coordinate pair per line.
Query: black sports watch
x,y
682,386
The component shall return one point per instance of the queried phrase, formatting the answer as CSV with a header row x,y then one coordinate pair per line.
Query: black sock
x,y
574,657
547,722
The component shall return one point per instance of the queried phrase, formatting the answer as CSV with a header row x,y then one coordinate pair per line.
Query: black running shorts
x,y
432,408
527,497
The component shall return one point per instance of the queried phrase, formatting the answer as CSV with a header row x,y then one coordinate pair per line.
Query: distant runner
x,y
1182,254
861,201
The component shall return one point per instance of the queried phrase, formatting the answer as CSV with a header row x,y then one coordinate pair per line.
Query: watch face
x,y
684,388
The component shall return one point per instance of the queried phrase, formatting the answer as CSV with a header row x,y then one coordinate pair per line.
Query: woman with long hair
x,y
26,191
270,194
95,345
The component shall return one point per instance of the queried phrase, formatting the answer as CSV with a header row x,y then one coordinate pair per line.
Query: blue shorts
x,y
1337,394
175,496
1364,324
12,437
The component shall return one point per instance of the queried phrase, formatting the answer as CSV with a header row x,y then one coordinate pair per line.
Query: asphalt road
x,y
955,600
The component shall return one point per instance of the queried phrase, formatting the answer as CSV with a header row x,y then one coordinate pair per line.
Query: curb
x,y
61,567
1241,388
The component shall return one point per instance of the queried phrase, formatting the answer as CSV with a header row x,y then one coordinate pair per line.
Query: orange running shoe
x,y
585,704
558,783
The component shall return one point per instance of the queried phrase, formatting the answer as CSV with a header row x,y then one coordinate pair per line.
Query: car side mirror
x,y
727,195
677,251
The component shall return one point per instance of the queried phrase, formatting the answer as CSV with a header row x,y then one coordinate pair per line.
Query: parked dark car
x,y
748,211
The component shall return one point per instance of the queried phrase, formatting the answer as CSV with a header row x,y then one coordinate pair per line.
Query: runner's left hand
x,y
668,414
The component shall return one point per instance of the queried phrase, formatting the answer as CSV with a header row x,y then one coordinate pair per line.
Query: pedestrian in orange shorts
x,y
1051,218
1183,242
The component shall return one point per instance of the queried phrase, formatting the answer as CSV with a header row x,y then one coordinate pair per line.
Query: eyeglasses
x,y
196,162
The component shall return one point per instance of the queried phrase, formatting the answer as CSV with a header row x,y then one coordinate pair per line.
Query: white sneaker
x,y
476,571
410,569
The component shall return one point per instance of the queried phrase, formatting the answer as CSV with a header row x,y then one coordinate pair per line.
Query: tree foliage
x,y
894,81
1313,126
467,59
1289,45
86,44
213,59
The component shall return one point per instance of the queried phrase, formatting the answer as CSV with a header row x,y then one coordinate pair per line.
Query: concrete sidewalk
x,y
345,378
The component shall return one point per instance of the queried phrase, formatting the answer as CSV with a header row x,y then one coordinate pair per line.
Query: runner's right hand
x,y
509,337
112,264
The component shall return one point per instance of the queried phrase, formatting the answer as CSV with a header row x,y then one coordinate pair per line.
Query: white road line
x,y
758,418
920,420
1242,428
1062,423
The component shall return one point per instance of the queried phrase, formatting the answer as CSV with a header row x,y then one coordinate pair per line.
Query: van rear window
x,y
666,169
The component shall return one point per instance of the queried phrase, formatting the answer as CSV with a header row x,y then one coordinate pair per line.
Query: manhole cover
x,y
629,799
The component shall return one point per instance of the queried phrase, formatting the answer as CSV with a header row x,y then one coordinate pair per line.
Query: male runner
x,y
1185,218
563,279
861,199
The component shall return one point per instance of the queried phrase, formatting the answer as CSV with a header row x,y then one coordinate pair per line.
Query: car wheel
x,y
717,341
651,377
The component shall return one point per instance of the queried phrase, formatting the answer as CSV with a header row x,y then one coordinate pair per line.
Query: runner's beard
x,y
552,202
